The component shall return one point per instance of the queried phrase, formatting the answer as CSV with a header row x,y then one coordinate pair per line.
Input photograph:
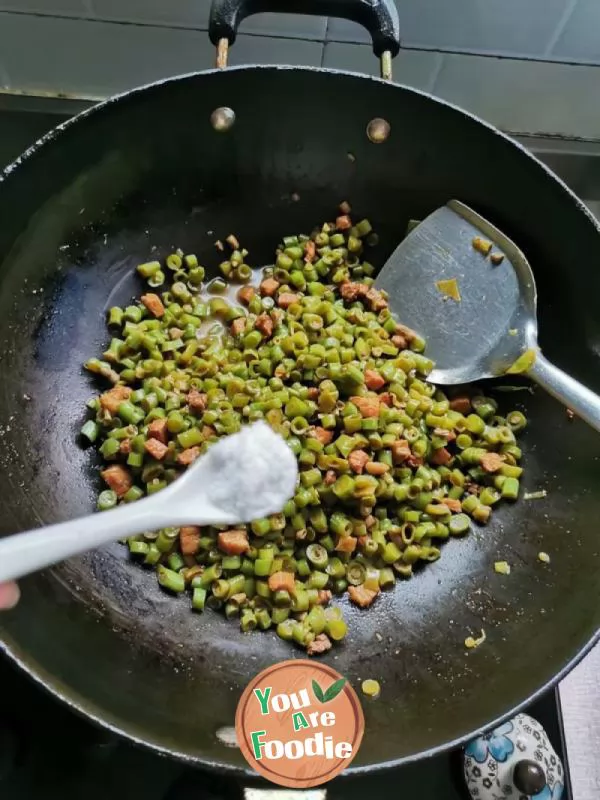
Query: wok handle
x,y
379,17
576,397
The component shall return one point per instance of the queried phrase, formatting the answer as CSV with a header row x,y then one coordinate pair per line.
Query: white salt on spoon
x,y
248,475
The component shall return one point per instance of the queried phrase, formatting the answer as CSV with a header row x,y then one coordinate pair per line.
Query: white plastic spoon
x,y
243,477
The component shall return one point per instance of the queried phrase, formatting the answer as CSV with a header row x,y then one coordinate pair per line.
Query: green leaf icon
x,y
318,692
334,690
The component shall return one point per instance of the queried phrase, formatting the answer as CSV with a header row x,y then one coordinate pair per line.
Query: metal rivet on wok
x,y
378,130
222,118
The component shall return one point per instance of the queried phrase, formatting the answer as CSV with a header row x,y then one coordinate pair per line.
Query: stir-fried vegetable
x,y
389,465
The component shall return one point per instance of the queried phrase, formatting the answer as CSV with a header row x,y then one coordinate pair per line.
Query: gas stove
x,y
47,751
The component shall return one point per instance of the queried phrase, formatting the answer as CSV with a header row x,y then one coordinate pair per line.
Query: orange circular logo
x,y
299,723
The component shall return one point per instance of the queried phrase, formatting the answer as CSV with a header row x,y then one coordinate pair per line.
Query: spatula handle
x,y
581,400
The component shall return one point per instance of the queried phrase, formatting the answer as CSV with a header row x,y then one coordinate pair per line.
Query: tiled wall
x,y
528,66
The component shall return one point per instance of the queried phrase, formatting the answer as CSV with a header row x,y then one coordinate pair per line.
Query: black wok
x,y
147,169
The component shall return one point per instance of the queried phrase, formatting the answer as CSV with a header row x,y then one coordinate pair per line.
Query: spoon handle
x,y
582,401
24,553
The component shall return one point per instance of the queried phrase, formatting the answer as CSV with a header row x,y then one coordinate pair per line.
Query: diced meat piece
x,y
208,431
491,462
362,596
245,294
269,286
399,341
368,406
282,582
376,300
285,299
233,242
324,596
357,460
219,245
400,451
404,330
362,540
233,542
370,521
330,477
238,326
264,324
175,333
320,644
111,400
323,435
345,207
343,223
453,504
461,404
189,540
117,478
158,430
310,252
346,544
313,393
153,303
351,291
187,457
376,468
414,461
441,456
374,380
197,401
387,399
125,447
156,449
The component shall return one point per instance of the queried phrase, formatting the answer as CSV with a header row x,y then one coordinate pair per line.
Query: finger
x,y
9,595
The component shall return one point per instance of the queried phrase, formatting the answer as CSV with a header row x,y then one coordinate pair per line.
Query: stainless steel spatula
x,y
476,310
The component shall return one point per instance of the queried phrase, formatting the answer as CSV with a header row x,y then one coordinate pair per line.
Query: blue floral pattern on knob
x,y
495,744
549,794
490,760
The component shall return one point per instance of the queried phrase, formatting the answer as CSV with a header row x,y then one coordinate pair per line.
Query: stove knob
x,y
529,777
517,755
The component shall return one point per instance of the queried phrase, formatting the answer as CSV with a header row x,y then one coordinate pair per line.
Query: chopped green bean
x,y
389,465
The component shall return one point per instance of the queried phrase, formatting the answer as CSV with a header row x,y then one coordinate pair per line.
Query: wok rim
x,y
89,710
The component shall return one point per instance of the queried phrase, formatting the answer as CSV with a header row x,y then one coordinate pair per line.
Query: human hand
x,y
9,595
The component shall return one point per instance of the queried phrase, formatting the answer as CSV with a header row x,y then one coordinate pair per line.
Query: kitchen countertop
x,y
580,700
